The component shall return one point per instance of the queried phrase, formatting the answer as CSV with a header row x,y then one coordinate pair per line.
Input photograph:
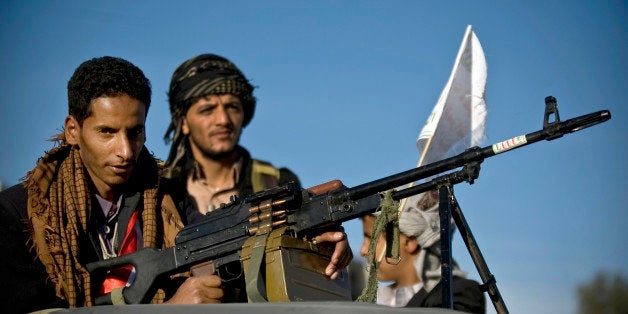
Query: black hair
x,y
105,77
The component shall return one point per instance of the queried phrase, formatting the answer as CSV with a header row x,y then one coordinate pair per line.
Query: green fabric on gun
x,y
388,220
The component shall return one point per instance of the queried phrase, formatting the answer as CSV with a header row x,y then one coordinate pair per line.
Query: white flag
x,y
457,121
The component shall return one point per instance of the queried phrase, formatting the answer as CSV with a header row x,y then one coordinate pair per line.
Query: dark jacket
x,y
25,285
186,204
467,296
234,288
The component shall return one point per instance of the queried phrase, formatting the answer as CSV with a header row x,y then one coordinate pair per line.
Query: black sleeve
x,y
186,205
468,297
25,284
466,294
286,175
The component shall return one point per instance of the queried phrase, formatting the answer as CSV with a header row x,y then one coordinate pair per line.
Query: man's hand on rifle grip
x,y
199,290
342,255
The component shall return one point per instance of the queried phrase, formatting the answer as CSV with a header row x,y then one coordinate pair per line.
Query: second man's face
x,y
214,125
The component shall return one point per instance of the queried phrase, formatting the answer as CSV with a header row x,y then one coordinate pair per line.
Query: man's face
x,y
214,125
400,271
110,140
386,271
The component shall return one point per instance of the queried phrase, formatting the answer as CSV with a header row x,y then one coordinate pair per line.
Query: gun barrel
x,y
476,154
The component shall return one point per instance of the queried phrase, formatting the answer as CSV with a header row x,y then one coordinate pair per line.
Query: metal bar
x,y
489,283
445,246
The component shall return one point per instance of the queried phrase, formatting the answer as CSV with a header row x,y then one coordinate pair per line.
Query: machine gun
x,y
240,231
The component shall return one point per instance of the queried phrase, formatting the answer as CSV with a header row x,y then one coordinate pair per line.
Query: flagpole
x,y
402,205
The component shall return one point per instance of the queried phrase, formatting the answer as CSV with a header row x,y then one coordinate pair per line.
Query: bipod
x,y
449,208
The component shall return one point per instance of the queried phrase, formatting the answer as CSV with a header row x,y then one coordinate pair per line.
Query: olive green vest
x,y
263,176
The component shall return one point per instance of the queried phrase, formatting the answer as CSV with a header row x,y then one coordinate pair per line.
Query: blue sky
x,y
344,88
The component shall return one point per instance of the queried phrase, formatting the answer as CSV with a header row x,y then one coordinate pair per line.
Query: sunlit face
x,y
214,125
402,272
110,140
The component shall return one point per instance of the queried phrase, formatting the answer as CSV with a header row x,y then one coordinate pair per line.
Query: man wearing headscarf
x,y
94,196
211,101
416,275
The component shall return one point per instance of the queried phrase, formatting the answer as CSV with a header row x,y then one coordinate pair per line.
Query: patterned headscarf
x,y
206,74
420,219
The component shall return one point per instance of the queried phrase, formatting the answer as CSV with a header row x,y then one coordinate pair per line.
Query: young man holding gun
x,y
94,196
